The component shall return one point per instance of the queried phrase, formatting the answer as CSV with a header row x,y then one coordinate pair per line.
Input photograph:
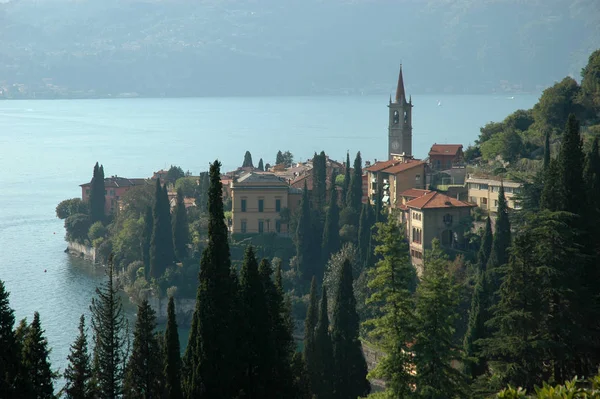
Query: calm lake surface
x,y
48,148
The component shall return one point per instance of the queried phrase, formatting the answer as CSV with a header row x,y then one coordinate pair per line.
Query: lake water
x,y
48,148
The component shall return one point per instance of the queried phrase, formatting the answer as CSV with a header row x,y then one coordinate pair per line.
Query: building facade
x,y
484,193
446,156
400,122
394,177
114,188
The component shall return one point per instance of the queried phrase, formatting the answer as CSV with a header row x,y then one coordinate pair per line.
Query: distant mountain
x,y
292,47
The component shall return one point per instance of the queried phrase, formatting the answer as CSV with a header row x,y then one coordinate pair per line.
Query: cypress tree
x,y
78,373
331,230
301,385
217,360
355,193
247,160
261,166
364,234
147,240
279,158
190,360
143,375
319,178
161,243
323,384
571,167
202,197
110,338
305,251
349,362
592,172
167,232
500,243
181,233
546,163
346,184
36,365
550,198
436,314
97,198
9,354
309,352
172,371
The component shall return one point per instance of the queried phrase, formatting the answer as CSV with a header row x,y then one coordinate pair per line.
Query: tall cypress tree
x,y
147,240
550,198
217,360
312,315
323,384
97,198
172,371
190,360
571,167
78,374
279,158
9,354
319,176
161,244
331,231
349,362
247,160
354,196
436,314
143,375
305,251
167,232
110,338
546,150
36,365
364,234
500,243
181,233
261,165
346,184
592,173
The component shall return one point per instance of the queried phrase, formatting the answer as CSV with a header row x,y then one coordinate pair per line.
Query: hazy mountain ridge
x,y
294,47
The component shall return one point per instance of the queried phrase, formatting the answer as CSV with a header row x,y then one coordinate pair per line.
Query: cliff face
x,y
184,309
82,251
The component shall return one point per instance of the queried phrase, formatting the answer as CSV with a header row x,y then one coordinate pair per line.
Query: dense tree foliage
x,y
323,376
355,193
35,364
307,243
174,173
9,352
347,178
70,207
181,232
172,360
331,230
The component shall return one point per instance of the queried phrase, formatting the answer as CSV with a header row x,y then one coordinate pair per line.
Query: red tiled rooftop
x,y
435,200
414,192
380,165
401,167
445,149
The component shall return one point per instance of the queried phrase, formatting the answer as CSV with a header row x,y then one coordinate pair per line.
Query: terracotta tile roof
x,y
401,167
434,200
414,192
445,149
115,182
380,165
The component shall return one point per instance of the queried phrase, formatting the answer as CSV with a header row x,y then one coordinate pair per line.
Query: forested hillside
x,y
268,47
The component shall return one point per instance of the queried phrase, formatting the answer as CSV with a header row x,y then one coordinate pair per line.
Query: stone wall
x,y
83,251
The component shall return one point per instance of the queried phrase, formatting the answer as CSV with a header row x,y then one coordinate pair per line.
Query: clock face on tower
x,y
395,145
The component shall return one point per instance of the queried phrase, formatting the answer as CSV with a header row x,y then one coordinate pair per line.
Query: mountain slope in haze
x,y
292,47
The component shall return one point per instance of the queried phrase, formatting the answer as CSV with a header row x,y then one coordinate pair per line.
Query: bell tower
x,y
400,122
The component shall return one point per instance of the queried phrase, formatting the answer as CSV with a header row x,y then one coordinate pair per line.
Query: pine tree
x,y
305,251
217,360
181,233
331,230
279,158
349,362
436,314
364,234
78,373
9,353
261,165
97,194
36,365
310,323
143,374
392,282
500,243
346,184
172,361
247,160
355,192
571,167
147,240
323,383
110,338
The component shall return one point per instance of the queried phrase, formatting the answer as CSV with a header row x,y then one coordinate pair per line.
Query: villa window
x,y
243,205
244,226
261,205
277,205
496,203
495,189
416,236
261,226
448,219
483,186
112,193
418,178
87,191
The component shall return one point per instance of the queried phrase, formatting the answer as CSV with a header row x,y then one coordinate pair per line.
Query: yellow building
x,y
257,200
394,177
433,215
484,193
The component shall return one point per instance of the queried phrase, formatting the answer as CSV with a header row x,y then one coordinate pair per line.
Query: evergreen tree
x,y
323,382
35,362
364,234
571,167
143,374
247,160
216,359
550,198
500,243
172,362
110,338
78,373
546,163
202,197
261,166
346,184
189,362
349,362
319,178
592,174
301,384
9,353
181,232
436,314
147,240
305,251
161,244
392,283
331,230
279,158
97,198
310,323
355,192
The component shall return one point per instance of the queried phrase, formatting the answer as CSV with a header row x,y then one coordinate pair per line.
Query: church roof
x,y
436,200
400,95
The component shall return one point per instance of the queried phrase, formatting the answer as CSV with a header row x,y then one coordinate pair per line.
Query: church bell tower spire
x,y
400,122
